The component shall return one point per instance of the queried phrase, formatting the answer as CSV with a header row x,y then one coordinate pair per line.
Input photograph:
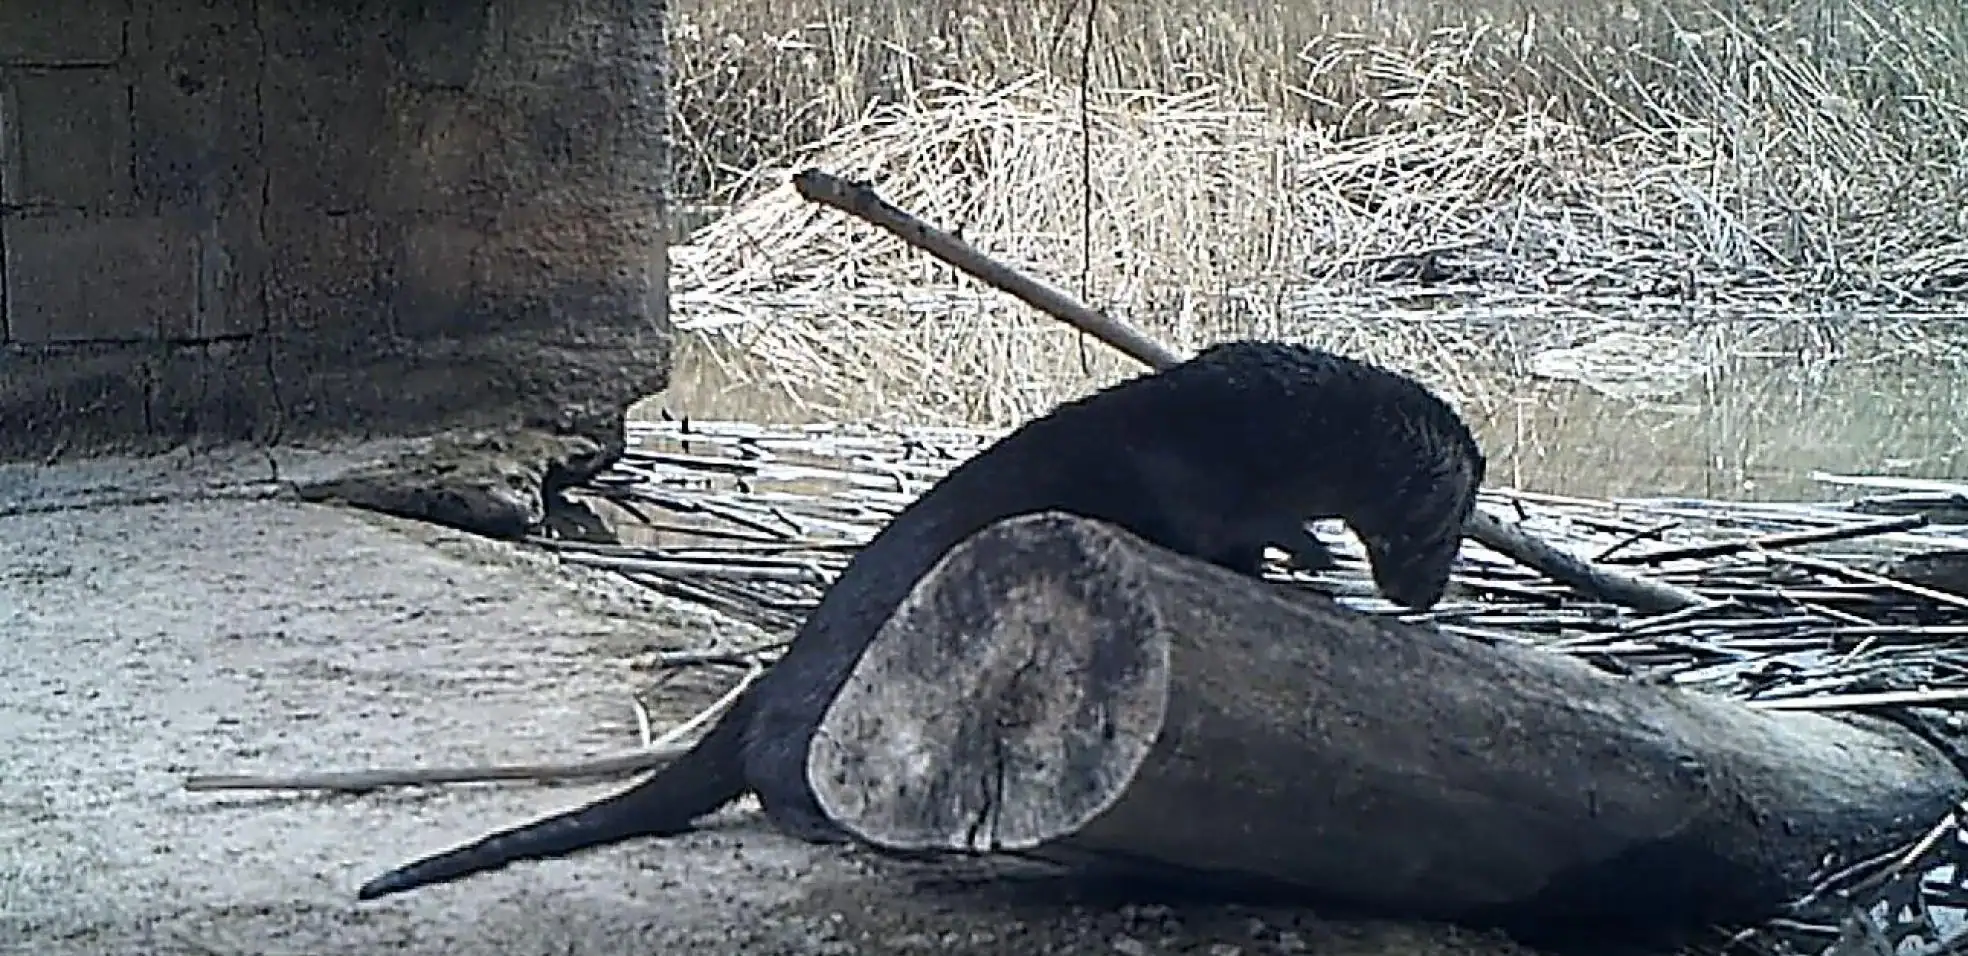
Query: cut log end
x,y
1041,704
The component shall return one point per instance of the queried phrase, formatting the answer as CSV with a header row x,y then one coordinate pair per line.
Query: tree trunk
x,y
1058,686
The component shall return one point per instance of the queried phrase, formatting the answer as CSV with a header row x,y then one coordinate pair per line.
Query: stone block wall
x,y
281,220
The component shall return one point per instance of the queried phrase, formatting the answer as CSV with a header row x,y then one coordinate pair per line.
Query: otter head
x,y
1413,571
1413,534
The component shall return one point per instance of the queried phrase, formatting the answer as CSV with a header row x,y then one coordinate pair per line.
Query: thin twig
x,y
1868,577
1772,542
659,752
363,781
1897,698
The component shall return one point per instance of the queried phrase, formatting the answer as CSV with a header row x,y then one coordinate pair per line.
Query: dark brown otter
x,y
1214,458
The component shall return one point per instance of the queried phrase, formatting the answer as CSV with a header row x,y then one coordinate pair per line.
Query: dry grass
x,y
1851,79
1415,192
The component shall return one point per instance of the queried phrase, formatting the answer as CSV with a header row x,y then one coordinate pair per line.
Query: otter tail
x,y
707,776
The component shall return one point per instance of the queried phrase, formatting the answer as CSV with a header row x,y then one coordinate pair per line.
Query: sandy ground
x,y
178,616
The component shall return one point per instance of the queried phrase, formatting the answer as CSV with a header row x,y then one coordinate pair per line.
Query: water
x,y
1723,408
1753,428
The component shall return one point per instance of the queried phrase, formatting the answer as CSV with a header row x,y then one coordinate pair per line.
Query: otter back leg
x,y
800,817
776,747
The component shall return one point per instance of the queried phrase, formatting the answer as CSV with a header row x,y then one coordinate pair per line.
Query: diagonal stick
x,y
859,200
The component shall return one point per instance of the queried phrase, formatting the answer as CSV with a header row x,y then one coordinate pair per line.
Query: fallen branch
x,y
1595,581
859,200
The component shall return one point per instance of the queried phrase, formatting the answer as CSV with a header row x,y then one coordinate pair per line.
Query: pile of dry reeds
x,y
1870,91
1819,605
1197,219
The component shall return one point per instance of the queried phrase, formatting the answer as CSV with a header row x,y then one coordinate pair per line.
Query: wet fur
x,y
1214,458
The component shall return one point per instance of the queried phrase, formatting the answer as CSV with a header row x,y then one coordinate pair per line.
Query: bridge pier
x,y
272,221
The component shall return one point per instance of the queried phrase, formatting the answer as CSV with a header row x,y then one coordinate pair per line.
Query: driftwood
x,y
1058,687
860,201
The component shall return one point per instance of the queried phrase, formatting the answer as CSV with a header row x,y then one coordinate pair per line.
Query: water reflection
x,y
1723,408
1750,427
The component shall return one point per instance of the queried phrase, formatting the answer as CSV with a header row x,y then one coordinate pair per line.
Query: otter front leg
x,y
1243,550
1307,551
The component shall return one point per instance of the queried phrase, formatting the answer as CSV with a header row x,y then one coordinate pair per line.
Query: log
x,y
1058,687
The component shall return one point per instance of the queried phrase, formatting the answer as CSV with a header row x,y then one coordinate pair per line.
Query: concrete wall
x,y
281,220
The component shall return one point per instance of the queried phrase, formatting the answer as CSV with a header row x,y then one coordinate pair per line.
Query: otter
x,y
1215,458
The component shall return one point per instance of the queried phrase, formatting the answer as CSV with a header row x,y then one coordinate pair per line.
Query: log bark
x,y
1059,687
